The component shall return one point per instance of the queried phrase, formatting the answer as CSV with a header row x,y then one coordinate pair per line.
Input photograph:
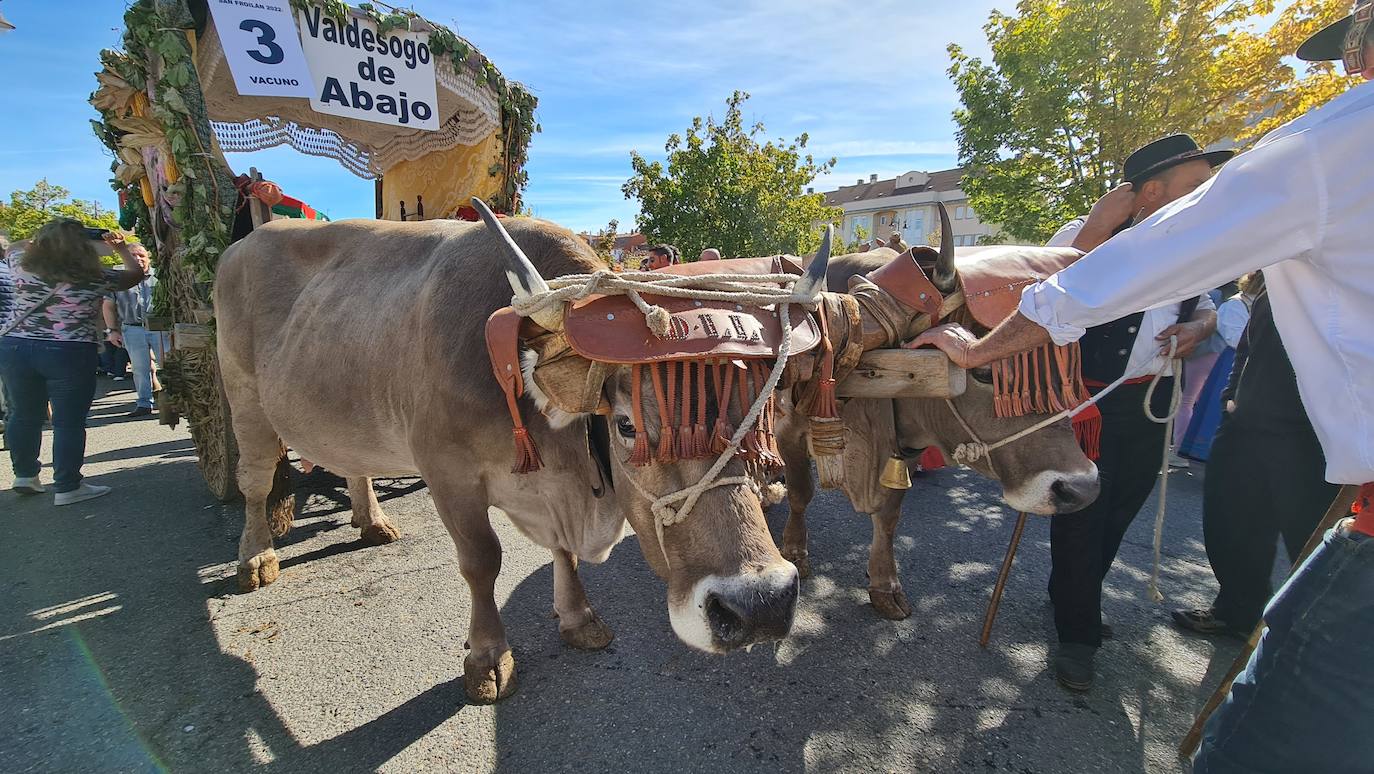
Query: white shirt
x,y
1232,317
1299,205
1145,358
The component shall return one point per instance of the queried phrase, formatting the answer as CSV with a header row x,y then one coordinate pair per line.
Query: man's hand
x,y
1230,407
953,340
1190,335
1114,208
116,338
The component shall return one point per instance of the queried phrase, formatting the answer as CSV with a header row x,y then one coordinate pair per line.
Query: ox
x,y
360,344
1045,472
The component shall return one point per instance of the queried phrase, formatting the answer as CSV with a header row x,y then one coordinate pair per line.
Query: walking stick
x,y
1339,509
996,600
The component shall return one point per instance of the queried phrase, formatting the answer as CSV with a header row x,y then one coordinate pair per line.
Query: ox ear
x,y
562,383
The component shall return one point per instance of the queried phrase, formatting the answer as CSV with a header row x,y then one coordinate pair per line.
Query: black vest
x,y
1107,348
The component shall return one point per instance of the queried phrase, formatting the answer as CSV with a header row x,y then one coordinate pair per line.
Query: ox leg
x,y
489,668
259,450
367,514
578,623
884,589
800,489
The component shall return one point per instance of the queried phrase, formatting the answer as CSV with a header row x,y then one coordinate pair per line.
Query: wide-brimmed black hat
x,y
1168,152
1328,43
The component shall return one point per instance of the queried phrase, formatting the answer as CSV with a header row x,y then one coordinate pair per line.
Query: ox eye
x,y
625,427
983,375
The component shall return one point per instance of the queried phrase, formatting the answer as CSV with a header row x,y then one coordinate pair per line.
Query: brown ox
x,y
1045,472
360,344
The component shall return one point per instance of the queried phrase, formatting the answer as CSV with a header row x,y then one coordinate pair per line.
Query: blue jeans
x,y
142,344
38,372
1304,701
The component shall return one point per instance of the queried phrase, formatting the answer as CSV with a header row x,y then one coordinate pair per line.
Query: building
x,y
907,204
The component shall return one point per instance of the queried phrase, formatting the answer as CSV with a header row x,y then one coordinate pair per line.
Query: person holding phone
x,y
48,348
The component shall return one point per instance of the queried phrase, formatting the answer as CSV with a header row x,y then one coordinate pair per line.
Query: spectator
x,y
48,351
126,316
709,254
1232,317
662,255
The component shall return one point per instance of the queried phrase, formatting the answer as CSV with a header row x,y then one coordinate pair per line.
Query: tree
x,y
724,188
604,243
29,210
1075,85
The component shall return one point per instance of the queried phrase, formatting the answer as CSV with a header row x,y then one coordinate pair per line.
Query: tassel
x,y
667,453
1087,428
749,444
685,444
998,389
640,455
723,431
824,406
526,455
701,444
1038,384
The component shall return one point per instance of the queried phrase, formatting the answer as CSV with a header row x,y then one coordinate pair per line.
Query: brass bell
x,y
895,474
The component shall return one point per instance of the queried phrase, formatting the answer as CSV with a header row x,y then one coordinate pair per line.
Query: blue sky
x,y
866,81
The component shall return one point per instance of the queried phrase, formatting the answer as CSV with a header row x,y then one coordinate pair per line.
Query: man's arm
x,y
110,312
1260,209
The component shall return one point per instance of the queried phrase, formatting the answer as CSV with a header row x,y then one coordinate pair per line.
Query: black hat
x,y
1329,43
1168,152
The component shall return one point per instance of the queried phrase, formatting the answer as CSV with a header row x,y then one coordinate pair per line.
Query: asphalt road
x,y
124,645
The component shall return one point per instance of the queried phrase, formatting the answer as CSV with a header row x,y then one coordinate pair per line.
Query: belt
x,y
1096,385
1364,511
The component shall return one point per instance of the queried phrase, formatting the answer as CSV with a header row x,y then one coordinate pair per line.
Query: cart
x,y
170,108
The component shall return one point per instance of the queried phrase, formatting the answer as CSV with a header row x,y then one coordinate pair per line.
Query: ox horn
x,y
524,278
809,287
944,277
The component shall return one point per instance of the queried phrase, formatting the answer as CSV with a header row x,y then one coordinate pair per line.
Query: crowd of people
x,y
65,317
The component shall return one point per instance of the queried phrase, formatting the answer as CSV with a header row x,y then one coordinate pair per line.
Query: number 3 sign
x,y
262,47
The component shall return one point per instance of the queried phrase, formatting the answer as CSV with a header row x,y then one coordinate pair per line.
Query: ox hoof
x,y
380,533
890,603
592,635
798,558
486,684
259,571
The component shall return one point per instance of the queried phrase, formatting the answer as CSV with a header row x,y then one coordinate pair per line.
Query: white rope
x,y
758,290
976,449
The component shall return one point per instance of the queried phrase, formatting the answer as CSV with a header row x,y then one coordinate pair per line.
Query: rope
x,y
758,290
976,449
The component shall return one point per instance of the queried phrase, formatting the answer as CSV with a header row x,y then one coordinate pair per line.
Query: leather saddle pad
x,y
993,277
611,329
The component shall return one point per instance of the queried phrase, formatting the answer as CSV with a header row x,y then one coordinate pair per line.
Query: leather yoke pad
x,y
503,349
611,329
904,280
993,277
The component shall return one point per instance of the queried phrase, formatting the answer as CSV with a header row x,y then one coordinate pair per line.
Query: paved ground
x,y
124,646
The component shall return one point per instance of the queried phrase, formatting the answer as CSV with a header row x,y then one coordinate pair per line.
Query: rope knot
x,y
968,453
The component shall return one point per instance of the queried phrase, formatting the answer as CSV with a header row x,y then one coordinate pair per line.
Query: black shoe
x,y
1204,621
141,411
1073,666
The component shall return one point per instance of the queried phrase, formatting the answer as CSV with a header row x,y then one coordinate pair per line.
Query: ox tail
x,y
281,501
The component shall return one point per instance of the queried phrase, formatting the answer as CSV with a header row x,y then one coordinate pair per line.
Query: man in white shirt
x,y
1083,545
1300,205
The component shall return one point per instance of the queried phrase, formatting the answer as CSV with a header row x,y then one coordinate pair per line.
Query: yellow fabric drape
x,y
446,179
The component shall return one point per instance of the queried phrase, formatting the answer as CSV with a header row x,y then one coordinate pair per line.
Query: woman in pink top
x,y
48,352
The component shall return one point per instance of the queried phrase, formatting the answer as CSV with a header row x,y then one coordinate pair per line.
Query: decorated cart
x,y
390,96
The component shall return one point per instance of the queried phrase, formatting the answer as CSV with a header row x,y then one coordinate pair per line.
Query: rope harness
x,y
755,291
976,449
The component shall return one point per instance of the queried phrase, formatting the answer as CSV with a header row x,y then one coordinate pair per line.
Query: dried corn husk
x,y
114,95
140,133
130,167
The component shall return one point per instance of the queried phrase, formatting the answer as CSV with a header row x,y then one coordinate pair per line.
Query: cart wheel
x,y
215,443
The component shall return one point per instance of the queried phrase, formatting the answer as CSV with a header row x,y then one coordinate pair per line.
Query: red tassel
x,y
1087,428
721,435
640,456
685,443
526,455
667,452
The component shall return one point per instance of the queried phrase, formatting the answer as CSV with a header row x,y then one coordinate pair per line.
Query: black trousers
x,y
1084,544
1262,483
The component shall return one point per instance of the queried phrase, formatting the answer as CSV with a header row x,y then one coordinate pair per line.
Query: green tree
x,y
604,242
1075,85
727,187
28,210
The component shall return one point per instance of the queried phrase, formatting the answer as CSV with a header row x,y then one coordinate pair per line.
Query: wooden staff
x,y
996,600
1339,509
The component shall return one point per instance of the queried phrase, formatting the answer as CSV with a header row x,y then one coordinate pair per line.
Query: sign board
x,y
360,74
261,45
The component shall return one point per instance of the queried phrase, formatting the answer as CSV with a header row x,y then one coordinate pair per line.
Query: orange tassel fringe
x,y
526,455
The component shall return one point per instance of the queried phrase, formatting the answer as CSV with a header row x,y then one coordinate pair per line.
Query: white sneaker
x,y
30,485
80,494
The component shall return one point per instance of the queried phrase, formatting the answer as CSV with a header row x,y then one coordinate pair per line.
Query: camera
x,y
95,233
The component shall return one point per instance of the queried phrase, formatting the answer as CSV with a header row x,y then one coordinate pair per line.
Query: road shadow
x,y
847,691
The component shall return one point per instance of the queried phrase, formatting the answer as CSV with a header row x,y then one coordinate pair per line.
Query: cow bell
x,y
895,474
